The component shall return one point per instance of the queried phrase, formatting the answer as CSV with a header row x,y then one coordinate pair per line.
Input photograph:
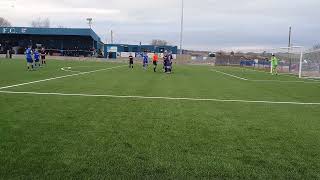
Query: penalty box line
x,y
59,77
231,75
162,98
282,74
250,80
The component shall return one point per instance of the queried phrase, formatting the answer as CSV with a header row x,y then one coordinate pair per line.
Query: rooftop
x,y
51,31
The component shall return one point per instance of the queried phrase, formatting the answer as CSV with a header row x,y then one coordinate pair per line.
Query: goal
x,y
290,60
310,64
297,61
294,60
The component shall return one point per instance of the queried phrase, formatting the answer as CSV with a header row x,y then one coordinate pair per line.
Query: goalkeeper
x,y
274,65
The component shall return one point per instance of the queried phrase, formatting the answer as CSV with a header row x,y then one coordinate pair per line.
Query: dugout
x,y
113,51
57,41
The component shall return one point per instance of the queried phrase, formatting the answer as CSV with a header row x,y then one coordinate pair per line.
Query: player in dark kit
x,y
170,62
131,61
167,63
43,56
165,60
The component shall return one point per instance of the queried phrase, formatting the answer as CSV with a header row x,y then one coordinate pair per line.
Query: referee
x,y
155,62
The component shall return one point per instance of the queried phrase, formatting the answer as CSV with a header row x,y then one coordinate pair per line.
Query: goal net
x,y
300,62
289,59
294,60
310,65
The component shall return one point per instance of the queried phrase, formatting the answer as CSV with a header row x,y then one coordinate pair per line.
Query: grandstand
x,y
57,41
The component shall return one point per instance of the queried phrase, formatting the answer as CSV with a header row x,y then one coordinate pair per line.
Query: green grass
x,y
74,137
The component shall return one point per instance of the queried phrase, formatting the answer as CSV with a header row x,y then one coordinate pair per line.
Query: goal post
x,y
304,63
289,59
300,67
294,59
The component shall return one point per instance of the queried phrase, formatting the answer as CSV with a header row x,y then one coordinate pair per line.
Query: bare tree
x,y
4,22
158,42
316,46
41,23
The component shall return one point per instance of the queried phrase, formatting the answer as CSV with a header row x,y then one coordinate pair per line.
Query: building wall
x,y
116,50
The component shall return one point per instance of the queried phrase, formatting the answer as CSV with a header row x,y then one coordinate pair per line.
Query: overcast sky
x,y
209,24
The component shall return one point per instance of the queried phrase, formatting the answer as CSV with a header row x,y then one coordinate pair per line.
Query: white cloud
x,y
90,11
208,23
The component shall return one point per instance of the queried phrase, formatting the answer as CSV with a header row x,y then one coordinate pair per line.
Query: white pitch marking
x,y
68,70
317,79
60,77
237,77
305,82
163,98
283,74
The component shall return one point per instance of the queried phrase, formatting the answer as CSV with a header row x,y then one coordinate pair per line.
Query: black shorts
x,y
155,63
131,62
43,57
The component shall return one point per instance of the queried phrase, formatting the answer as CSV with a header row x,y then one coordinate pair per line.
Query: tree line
x,y
37,23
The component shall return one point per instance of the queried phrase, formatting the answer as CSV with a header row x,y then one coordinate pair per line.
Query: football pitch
x,y
98,120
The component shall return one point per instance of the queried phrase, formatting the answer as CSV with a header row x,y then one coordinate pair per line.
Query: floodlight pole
x,y
111,36
289,45
181,30
90,22
290,31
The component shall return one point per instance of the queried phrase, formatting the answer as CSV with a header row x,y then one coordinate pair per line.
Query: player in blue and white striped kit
x,y
36,59
145,61
29,59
